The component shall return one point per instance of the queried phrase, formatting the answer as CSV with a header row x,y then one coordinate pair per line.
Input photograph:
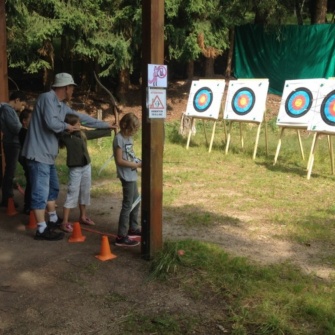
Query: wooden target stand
x,y
297,128
193,118
300,95
312,152
242,138
253,87
325,95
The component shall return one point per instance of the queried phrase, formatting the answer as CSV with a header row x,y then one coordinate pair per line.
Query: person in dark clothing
x,y
10,127
25,117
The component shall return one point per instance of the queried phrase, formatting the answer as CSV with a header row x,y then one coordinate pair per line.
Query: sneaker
x,y
135,233
54,225
48,235
125,241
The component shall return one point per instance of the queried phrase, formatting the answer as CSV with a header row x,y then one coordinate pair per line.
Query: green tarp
x,y
284,53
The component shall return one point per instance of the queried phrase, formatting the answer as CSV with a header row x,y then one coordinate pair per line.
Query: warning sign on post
x,y
157,75
157,103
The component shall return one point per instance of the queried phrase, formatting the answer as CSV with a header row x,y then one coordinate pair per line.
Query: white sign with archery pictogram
x,y
157,75
157,103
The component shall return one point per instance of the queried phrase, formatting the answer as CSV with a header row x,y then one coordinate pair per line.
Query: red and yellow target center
x,y
243,101
299,102
332,108
202,99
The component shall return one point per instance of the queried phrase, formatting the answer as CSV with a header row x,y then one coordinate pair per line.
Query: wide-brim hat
x,y
63,79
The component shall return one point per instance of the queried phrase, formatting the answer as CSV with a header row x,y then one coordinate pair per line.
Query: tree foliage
x,y
106,34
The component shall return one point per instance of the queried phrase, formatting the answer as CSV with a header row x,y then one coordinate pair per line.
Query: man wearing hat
x,y
41,149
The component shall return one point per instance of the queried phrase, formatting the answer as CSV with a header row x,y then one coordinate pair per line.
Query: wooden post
x,y
3,54
152,132
3,72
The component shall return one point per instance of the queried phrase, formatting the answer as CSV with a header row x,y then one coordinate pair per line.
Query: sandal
x,y
66,227
87,221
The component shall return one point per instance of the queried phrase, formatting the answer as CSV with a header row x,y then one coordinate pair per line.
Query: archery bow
x,y
116,111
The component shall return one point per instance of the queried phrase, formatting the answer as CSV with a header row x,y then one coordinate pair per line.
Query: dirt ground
x,y
61,288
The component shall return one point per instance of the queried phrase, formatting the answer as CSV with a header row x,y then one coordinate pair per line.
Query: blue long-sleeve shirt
x,y
47,120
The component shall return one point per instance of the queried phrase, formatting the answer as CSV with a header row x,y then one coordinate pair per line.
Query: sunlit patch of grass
x,y
275,299
101,191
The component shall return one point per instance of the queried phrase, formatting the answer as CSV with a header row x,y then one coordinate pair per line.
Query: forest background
x,y
83,36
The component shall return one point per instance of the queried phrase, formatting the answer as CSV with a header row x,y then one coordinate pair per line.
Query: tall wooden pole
x,y
3,71
152,132
3,55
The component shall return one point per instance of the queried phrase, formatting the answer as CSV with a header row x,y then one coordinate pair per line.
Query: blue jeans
x,y
11,153
128,219
44,184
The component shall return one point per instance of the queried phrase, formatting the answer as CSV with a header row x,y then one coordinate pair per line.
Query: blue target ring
x,y
203,99
328,109
298,102
243,101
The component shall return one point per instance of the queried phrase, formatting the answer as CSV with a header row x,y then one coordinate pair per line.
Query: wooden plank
x,y
3,73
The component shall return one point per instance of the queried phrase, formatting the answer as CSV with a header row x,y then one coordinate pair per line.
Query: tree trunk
x,y
260,17
318,9
96,69
209,67
64,46
48,52
190,70
124,80
64,52
299,5
230,52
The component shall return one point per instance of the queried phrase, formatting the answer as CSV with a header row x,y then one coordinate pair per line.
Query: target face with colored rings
x,y
203,99
298,102
243,101
328,109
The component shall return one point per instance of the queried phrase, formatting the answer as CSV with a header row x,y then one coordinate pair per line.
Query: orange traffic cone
x,y
76,235
105,250
32,221
11,210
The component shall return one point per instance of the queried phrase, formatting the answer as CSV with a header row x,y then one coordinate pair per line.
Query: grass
x,y
276,299
214,189
279,194
210,190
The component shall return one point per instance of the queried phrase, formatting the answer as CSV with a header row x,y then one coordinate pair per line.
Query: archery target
x,y
205,98
246,100
297,102
243,101
328,109
323,119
